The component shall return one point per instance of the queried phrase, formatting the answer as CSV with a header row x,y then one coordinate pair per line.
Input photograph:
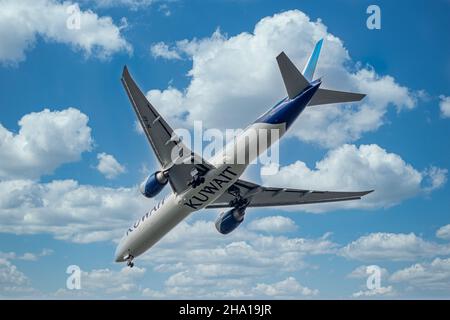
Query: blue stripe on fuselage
x,y
288,110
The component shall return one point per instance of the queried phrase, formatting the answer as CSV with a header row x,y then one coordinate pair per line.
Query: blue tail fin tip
x,y
312,62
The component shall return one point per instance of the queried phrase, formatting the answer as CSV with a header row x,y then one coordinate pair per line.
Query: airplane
x,y
215,183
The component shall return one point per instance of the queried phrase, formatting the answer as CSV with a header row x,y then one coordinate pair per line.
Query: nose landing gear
x,y
129,260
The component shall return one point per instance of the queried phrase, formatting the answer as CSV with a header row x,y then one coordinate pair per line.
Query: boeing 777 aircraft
x,y
198,183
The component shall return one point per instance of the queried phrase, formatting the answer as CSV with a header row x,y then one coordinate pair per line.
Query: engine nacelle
x,y
229,220
153,184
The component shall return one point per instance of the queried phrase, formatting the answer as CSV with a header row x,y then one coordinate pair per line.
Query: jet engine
x,y
229,220
153,185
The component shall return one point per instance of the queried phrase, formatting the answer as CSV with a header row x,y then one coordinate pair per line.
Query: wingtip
x,y
281,54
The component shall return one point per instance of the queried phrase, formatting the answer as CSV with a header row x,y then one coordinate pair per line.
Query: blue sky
x,y
69,174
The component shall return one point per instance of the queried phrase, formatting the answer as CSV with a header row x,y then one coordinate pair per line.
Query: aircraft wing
x,y
170,151
260,196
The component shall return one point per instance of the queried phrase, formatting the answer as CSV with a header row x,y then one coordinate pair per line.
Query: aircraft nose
x,y
119,254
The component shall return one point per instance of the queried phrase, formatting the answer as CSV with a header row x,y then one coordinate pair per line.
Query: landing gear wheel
x,y
130,262
196,181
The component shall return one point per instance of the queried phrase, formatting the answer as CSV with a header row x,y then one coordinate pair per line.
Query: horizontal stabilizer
x,y
294,81
325,96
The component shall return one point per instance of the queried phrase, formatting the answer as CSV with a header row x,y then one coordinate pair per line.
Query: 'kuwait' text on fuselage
x,y
210,189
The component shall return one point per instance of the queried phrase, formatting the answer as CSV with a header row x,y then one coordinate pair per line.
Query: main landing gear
x,y
238,202
197,179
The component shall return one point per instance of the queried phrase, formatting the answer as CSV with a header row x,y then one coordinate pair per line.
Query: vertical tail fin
x,y
295,81
310,67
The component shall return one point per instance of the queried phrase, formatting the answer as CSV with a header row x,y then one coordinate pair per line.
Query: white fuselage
x,y
170,211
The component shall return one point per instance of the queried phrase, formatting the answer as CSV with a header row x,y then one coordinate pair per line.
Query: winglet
x,y
310,67
125,71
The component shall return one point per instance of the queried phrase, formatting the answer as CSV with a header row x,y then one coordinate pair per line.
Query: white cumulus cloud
x,y
45,140
239,75
69,211
132,4
352,168
202,263
27,256
48,19
444,232
274,224
444,105
377,292
105,282
162,50
13,282
425,276
436,177
109,166
285,289
392,246
362,272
